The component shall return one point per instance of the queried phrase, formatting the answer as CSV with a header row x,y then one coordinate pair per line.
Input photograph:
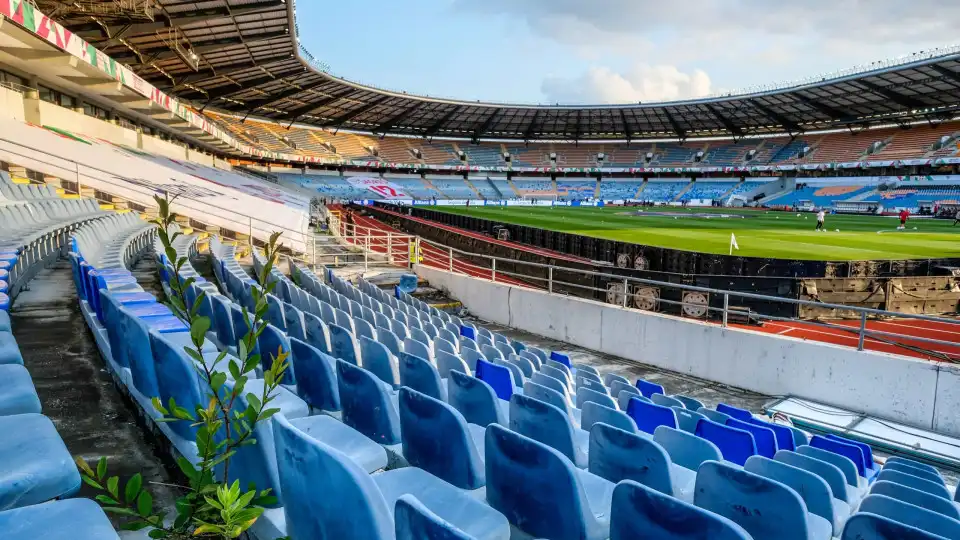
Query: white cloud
x,y
642,82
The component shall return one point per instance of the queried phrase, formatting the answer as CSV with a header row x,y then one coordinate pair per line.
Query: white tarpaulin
x,y
214,196
384,188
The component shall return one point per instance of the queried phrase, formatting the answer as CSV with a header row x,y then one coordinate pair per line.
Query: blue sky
x,y
609,51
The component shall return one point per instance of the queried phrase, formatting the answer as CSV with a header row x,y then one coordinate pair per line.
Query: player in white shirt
x,y
821,215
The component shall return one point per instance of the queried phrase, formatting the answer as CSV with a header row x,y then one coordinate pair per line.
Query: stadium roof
x,y
243,57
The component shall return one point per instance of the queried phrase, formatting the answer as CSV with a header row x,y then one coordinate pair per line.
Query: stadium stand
x,y
822,195
613,189
576,189
655,190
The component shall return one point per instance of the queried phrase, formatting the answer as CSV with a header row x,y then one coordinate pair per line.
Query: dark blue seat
x,y
850,451
734,412
437,439
274,314
648,416
317,333
641,512
414,521
541,492
763,437
316,378
366,404
272,342
294,319
549,425
617,455
783,433
475,399
223,321
870,467
422,376
909,514
648,389
343,346
865,526
736,445
498,377
562,358
379,361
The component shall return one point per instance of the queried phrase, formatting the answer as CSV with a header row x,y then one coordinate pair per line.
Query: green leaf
x,y
206,528
158,405
187,468
234,370
91,482
254,401
103,499
218,380
134,526
113,487
120,511
158,533
133,488
265,415
199,328
145,503
101,468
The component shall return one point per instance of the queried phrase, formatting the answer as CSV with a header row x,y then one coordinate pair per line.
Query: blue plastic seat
x,y
550,382
363,329
17,393
912,515
316,378
685,449
623,400
442,345
5,322
364,504
593,413
915,471
649,415
812,489
541,492
414,521
498,377
850,451
420,375
914,482
667,401
9,350
641,512
539,353
417,348
843,463
561,357
553,397
366,405
272,342
871,469
549,425
591,384
379,361
830,473
437,439
687,420
688,402
912,463
72,519
763,437
274,314
390,341
713,415
343,346
617,455
765,508
562,368
36,465
223,321
177,378
475,400
449,361
515,370
736,445
317,333
783,433
734,412
648,389
865,526
492,352
610,378
618,386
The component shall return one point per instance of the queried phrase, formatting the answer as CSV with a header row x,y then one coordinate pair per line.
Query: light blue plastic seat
x,y
317,333
763,437
515,371
641,512
344,319
379,361
17,393
364,329
223,321
592,384
399,328
736,445
593,413
550,382
623,400
830,473
366,405
610,378
687,420
912,515
915,471
549,425
866,526
442,345
534,359
475,400
414,521
688,402
343,345
505,348
799,437
272,342
492,352
177,378
666,401
539,353
617,455
9,350
812,489
649,415
648,389
421,336
418,348
316,376
765,508
448,361
553,397
685,449
915,482
294,320
37,465
525,364
713,415
420,375
783,433
843,463
71,519
912,463
274,314
136,342
498,377
585,395
850,451
734,412
568,373
541,492
437,439
618,386
559,375
363,505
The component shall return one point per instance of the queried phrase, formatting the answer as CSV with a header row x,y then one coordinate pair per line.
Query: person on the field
x,y
956,218
821,215
904,215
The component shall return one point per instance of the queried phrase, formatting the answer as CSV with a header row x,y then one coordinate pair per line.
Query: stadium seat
x,y
736,445
850,451
870,467
688,402
586,395
911,463
845,464
450,361
72,519
316,378
476,400
420,375
366,404
9,350
270,343
763,437
515,371
414,521
379,361
641,512
830,473
553,397
783,434
648,415
617,455
498,377
812,489
648,388
867,526
541,492
611,378
734,412
561,357
437,439
915,482
623,399
593,413
317,333
17,393
35,465
343,346
551,382
685,449
765,508
363,506
618,386
666,401
525,364
713,415
912,515
687,420
926,474
549,425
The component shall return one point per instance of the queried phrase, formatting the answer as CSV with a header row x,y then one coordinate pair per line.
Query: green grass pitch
x,y
759,233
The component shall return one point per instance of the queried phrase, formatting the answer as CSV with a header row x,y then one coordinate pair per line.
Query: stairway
x,y
473,188
683,191
640,190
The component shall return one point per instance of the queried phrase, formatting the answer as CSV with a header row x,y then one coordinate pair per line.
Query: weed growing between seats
x,y
208,508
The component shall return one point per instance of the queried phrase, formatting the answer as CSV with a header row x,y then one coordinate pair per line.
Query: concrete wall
x,y
11,104
81,124
164,148
916,392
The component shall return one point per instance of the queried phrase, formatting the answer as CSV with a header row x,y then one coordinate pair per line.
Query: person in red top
x,y
904,214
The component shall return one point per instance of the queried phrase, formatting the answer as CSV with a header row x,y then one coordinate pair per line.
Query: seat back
x,y
436,439
648,389
586,395
688,402
343,346
912,515
649,415
687,420
417,348
865,448
547,395
915,471
253,463
557,374
522,473
812,489
593,413
515,371
177,379
420,375
641,512
545,423
849,451
666,401
377,359
783,434
685,449
414,521
273,342
611,378
865,526
765,508
491,352
915,497
317,332
844,463
498,377
617,455
763,437
306,467
364,329
366,405
830,473
912,463
561,357
274,313
449,361
294,318
584,381
316,380
475,399
914,482
736,445
443,345
734,412
550,382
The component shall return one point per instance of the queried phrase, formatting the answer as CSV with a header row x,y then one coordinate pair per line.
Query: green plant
x,y
209,506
